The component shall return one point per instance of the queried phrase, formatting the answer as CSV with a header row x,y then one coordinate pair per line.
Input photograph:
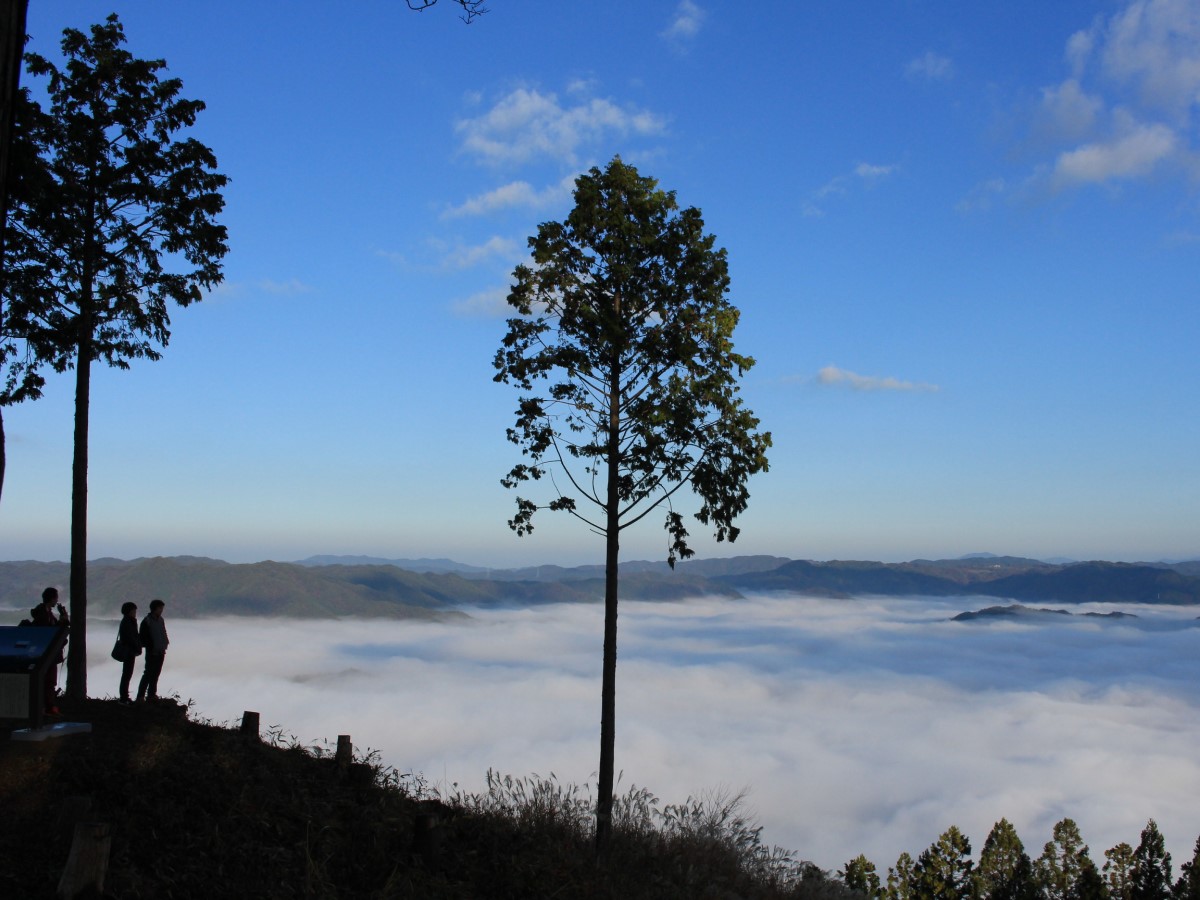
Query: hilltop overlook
x,y
197,810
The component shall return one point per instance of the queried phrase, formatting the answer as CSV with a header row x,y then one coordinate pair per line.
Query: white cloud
x,y
466,257
869,172
983,195
290,287
1154,47
490,304
1131,155
833,376
931,66
1128,108
526,125
1068,112
514,194
686,23
866,174
866,725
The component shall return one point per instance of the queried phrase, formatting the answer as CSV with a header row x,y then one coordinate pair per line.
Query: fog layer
x,y
867,725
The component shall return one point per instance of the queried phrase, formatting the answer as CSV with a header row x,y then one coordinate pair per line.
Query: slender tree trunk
x,y
77,652
3,452
608,687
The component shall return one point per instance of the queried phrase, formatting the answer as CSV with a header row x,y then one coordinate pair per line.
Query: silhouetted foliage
x,y
114,219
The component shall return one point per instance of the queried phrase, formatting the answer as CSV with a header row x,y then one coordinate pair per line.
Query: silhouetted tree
x,y
18,375
471,9
1005,871
116,218
1151,866
625,313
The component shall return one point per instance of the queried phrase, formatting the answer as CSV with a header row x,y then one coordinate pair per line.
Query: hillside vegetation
x,y
197,810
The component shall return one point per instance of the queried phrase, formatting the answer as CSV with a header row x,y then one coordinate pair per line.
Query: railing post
x,y
250,725
87,864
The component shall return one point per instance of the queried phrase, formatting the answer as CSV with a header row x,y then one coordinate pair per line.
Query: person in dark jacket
x,y
153,635
50,614
127,636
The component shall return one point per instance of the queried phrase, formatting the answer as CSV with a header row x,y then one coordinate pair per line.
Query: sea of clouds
x,y
857,726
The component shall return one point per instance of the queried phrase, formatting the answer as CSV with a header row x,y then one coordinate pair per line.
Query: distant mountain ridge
x,y
330,587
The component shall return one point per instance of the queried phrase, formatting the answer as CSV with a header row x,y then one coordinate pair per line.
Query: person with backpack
x,y
130,643
153,634
51,614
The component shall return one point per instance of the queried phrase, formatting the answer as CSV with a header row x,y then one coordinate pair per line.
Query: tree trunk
x,y
608,686
3,454
77,649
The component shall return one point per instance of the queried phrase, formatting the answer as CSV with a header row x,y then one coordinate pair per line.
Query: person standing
x,y
45,615
154,638
127,636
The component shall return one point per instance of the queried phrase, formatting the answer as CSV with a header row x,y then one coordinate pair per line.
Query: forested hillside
x,y
206,587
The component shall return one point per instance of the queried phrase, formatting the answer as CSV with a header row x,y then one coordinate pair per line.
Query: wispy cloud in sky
x,y
289,288
527,124
862,175
495,247
1132,154
686,23
1128,107
866,725
515,194
832,376
489,304
931,66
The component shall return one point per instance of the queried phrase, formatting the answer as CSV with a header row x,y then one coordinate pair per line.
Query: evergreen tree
x,y
1118,872
1090,885
943,871
1151,866
900,879
1005,871
859,875
1065,871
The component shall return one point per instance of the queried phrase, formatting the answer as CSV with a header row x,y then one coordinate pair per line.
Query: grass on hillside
x,y
198,811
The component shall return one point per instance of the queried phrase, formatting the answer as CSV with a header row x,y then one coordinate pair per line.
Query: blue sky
x,y
964,239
